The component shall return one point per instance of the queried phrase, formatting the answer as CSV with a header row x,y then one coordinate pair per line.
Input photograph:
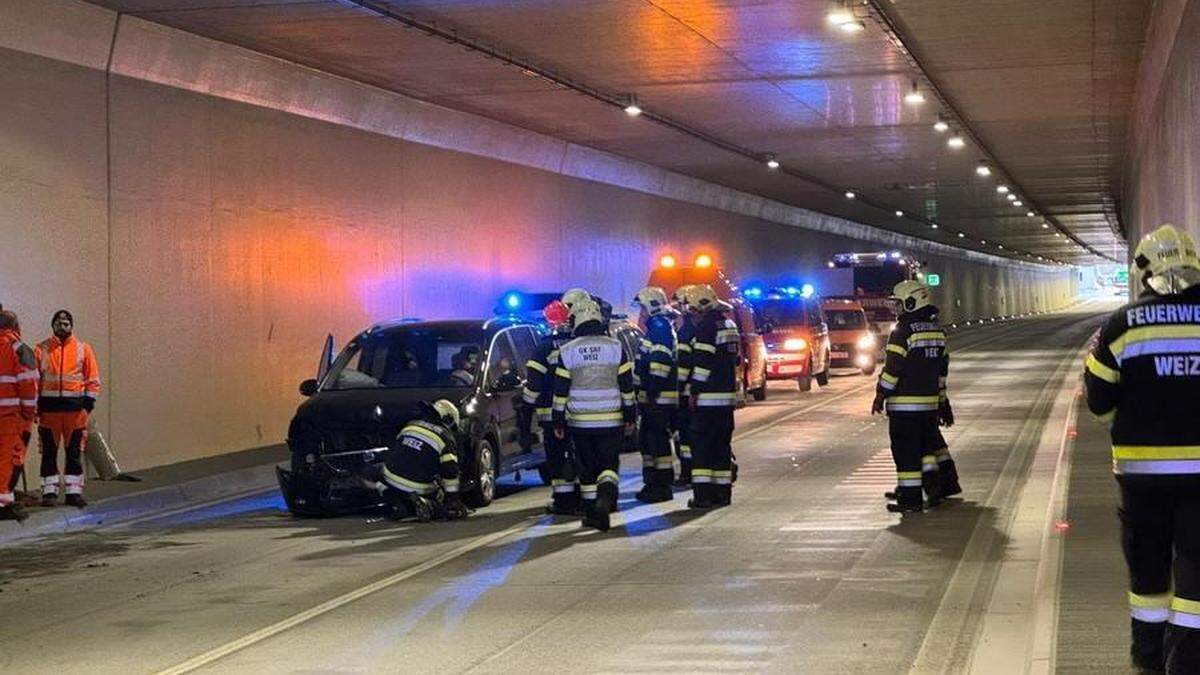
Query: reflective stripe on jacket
x,y
594,383
18,383
913,379
69,373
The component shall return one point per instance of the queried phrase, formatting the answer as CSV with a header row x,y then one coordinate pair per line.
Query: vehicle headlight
x,y
866,342
794,344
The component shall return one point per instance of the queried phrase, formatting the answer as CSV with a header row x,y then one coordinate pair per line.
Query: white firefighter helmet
x,y
911,295
584,311
447,411
1166,260
654,299
680,295
575,295
702,297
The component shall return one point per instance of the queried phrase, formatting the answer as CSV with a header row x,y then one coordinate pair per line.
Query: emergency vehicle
x,y
868,278
796,333
852,343
670,275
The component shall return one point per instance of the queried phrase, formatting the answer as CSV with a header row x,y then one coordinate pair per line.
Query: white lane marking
x,y
340,601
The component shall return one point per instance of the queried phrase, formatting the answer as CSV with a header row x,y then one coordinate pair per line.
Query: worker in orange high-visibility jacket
x,y
18,407
70,383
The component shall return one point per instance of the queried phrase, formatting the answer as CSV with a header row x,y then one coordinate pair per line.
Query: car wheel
x,y
760,394
485,481
805,381
823,376
869,370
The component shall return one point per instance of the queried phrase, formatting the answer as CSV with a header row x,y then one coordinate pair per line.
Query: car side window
x,y
502,372
524,344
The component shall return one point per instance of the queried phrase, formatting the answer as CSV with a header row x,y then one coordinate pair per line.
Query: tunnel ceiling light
x,y
1018,203
941,126
914,95
999,245
632,108
1045,226
956,141
933,225
850,194
983,169
1010,197
983,241
1002,189
1030,214
899,213
1058,234
772,163
961,235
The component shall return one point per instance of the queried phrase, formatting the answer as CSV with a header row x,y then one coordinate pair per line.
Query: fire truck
x,y
869,278
670,275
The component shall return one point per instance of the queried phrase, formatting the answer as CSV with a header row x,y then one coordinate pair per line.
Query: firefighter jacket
x,y
913,380
593,382
683,354
423,454
1144,376
655,370
539,386
18,384
70,375
716,354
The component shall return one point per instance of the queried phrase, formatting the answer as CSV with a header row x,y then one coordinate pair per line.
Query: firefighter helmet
x,y
911,295
680,296
1166,260
654,299
575,295
702,297
556,313
584,311
447,411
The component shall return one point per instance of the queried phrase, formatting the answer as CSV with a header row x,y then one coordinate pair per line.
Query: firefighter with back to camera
x,y
683,362
712,387
1143,377
539,399
658,394
594,399
421,473
912,389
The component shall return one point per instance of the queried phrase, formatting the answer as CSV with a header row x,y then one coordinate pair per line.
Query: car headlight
x,y
794,344
866,342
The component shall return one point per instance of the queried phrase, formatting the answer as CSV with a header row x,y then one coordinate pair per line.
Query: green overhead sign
x,y
933,280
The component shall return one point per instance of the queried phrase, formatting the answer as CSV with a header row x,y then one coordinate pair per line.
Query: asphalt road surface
x,y
806,572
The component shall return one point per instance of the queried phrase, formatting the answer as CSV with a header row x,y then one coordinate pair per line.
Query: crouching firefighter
x,y
658,394
912,388
713,396
594,398
539,398
421,470
1144,378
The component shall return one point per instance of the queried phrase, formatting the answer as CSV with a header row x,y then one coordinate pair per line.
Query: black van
x,y
361,399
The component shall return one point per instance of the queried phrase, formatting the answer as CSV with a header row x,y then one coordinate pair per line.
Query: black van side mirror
x,y
308,387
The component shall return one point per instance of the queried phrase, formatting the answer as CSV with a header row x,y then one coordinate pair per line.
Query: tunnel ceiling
x,y
1041,90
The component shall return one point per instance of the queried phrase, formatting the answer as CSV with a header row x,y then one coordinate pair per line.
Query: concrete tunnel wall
x,y
1162,178
207,245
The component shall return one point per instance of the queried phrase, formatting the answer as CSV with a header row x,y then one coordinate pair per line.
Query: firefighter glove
x,y
945,414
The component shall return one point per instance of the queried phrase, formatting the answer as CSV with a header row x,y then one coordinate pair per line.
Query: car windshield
x,y
844,319
782,312
407,358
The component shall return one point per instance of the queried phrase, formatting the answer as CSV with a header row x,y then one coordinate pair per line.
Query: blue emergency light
x,y
753,292
807,290
512,300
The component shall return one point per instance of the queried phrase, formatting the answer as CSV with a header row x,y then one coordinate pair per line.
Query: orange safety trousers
x,y
67,429
12,458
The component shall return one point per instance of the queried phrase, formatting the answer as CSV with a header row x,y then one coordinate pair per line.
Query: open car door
x,y
326,361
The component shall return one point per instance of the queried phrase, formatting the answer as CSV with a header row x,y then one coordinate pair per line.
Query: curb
x,y
155,501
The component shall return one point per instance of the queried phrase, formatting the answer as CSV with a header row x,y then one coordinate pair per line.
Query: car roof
x,y
840,303
489,325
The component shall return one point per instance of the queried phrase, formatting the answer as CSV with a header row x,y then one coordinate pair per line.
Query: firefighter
x,y
912,387
712,387
18,407
594,397
539,399
658,394
69,387
1144,378
421,470
683,414
577,294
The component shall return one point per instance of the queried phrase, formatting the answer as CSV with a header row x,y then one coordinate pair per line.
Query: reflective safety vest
x,y
18,384
69,374
594,384
1144,377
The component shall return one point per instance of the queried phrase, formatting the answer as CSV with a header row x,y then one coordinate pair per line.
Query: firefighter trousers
x,y
914,438
564,484
69,430
712,463
1161,541
596,453
658,462
947,470
683,439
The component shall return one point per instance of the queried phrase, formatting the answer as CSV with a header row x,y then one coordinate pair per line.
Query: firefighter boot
x,y
422,509
75,500
702,496
13,511
653,494
949,473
